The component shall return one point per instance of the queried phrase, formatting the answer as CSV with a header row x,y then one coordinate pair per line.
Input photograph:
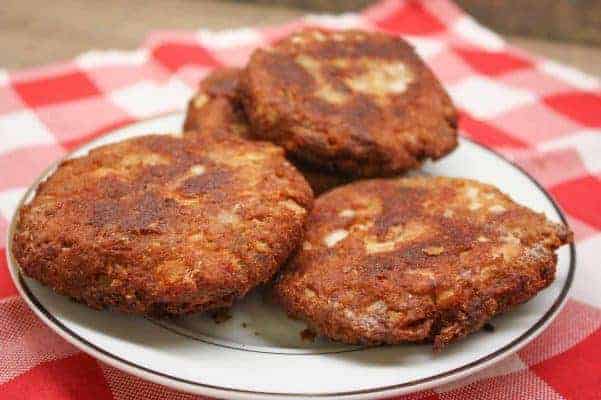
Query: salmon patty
x,y
162,225
216,109
354,102
416,259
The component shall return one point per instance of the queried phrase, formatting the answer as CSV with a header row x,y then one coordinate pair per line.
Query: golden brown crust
x,y
216,109
414,259
354,102
159,224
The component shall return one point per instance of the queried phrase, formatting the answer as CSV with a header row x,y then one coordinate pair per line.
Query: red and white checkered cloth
x,y
543,115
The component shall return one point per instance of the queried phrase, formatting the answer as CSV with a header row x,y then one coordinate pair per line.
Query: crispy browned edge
x,y
94,241
359,138
427,321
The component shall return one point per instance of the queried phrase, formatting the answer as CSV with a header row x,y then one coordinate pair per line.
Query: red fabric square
x,y
522,384
411,19
581,198
3,231
68,86
574,323
175,55
580,106
487,134
426,395
75,377
6,284
575,372
446,11
493,62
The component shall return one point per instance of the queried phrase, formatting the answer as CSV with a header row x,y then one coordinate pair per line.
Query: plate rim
x,y
204,388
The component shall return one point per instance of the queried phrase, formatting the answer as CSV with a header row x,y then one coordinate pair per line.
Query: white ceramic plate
x,y
259,354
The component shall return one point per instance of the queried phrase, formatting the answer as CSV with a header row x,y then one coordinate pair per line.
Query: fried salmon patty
x,y
161,225
416,259
355,102
216,109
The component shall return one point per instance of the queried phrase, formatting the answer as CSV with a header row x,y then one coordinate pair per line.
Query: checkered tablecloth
x,y
543,115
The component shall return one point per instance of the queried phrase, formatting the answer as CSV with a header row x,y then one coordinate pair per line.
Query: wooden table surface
x,y
35,32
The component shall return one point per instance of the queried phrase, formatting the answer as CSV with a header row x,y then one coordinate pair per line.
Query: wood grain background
x,y
567,20
35,32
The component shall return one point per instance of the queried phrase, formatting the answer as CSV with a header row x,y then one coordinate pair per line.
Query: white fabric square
x,y
94,59
588,279
485,98
3,77
146,98
426,48
477,34
22,129
339,22
9,200
229,38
